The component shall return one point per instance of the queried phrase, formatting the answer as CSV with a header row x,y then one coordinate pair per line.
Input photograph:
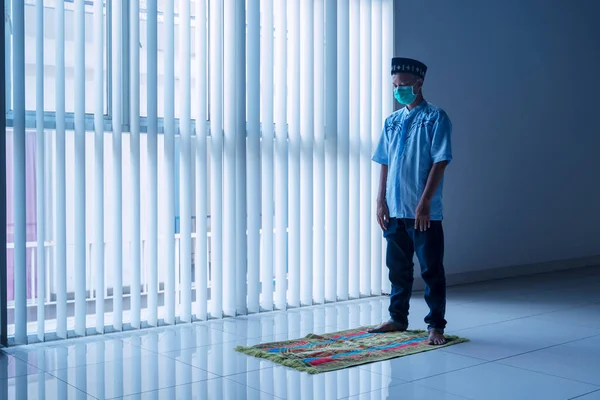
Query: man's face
x,y
404,79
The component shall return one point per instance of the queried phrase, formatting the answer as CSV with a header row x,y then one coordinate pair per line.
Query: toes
x,y
437,341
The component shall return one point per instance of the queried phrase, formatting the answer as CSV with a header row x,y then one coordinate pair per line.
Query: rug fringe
x,y
296,364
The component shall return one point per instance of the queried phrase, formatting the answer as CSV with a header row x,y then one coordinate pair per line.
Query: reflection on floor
x,y
535,337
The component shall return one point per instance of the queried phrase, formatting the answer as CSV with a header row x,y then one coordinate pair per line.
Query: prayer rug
x,y
329,352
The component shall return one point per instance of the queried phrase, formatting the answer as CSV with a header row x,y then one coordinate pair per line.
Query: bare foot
x,y
436,338
389,326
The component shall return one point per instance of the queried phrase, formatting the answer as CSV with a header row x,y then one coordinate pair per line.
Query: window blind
x,y
190,160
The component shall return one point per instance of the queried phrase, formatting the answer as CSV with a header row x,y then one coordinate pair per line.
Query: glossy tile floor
x,y
535,337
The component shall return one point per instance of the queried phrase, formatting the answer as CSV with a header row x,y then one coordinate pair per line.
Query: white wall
x,y
520,81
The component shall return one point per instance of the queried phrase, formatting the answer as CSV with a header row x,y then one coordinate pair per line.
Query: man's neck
x,y
415,103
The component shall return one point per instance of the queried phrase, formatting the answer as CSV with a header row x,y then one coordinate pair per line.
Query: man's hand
x,y
383,214
422,221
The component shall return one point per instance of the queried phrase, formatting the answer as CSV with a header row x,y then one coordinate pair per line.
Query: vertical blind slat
x,y
319,198
229,132
117,166
354,156
343,129
201,272
185,160
387,99
306,149
365,149
98,246
19,194
40,171
216,164
169,167
80,230
266,263
152,150
241,252
134,120
253,175
281,174
331,144
376,124
61,187
293,101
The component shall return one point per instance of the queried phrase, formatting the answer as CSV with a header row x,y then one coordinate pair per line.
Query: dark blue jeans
x,y
403,241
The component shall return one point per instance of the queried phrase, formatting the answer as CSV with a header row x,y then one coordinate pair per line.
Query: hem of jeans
x,y
401,325
438,330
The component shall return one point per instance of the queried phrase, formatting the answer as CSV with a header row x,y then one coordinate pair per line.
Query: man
x,y
414,150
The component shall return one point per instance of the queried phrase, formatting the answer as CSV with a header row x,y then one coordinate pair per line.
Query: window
x,y
50,64
230,218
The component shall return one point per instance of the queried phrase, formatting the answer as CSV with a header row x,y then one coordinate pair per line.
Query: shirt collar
x,y
417,108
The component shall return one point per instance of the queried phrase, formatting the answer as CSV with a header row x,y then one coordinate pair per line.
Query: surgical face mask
x,y
405,94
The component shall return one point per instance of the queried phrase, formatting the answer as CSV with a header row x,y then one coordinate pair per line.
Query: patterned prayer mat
x,y
329,352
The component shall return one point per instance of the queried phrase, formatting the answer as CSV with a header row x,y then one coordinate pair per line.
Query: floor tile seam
x,y
227,378
499,360
299,335
576,324
419,382
119,339
512,297
517,295
416,381
73,386
520,292
162,388
566,308
536,316
360,394
546,347
449,351
444,391
37,371
426,387
485,325
585,394
557,310
519,278
198,368
88,364
510,320
237,339
550,375
53,371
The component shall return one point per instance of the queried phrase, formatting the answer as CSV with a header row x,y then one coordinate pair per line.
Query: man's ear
x,y
419,84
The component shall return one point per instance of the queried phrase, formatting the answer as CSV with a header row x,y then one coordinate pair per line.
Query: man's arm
x,y
441,154
383,213
422,218
433,180
382,183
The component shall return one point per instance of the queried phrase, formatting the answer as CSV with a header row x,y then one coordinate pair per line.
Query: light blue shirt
x,y
410,144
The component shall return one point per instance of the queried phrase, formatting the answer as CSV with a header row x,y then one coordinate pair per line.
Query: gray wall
x,y
520,80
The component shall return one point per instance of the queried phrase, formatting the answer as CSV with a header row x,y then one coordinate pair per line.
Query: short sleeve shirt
x,y
413,141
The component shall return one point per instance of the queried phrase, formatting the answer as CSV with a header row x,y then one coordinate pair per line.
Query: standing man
x,y
414,150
